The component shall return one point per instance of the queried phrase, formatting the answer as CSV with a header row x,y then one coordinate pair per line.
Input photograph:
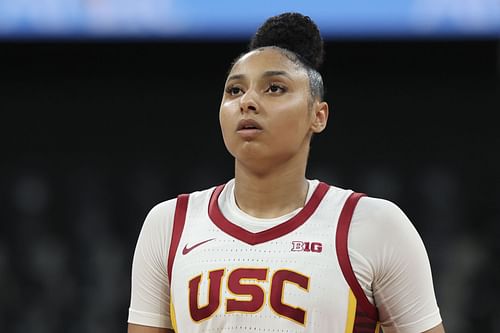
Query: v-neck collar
x,y
254,238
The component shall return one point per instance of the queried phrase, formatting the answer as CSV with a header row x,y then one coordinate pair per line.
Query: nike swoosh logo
x,y
187,249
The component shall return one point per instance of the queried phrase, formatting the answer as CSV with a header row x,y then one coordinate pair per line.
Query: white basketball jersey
x,y
293,277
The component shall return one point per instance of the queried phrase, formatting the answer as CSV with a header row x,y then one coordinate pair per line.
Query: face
x,y
266,114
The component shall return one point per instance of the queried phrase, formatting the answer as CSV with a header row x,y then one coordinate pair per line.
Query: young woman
x,y
271,251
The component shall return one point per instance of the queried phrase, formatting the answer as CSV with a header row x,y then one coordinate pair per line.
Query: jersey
x,y
293,277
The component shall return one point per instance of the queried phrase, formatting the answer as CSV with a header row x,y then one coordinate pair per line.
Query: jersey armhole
x,y
179,221
343,255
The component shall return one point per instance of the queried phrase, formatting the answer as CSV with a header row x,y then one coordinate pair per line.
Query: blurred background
x,y
109,107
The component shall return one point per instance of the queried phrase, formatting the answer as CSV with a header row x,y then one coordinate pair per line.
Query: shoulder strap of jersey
x,y
179,221
343,255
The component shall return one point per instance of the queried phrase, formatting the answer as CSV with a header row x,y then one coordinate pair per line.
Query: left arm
x,y
391,263
438,329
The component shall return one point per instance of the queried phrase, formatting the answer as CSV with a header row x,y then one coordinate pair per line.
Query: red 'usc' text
x,y
249,297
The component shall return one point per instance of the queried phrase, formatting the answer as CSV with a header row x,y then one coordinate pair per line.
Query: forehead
x,y
267,59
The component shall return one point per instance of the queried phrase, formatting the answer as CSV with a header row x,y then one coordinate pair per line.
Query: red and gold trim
x,y
362,315
179,221
270,234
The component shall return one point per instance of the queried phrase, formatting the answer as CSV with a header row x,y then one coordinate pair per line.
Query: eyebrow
x,y
266,74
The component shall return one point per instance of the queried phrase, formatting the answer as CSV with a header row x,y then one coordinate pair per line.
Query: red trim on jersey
x,y
179,220
343,255
266,235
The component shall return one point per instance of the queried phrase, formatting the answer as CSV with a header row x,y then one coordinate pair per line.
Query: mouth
x,y
247,125
248,129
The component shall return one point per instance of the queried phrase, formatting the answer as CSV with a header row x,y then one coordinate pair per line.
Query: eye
x,y
233,90
276,88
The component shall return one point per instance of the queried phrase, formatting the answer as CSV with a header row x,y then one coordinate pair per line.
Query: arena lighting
x,y
223,19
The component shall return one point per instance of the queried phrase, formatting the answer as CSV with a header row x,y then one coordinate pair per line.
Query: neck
x,y
273,193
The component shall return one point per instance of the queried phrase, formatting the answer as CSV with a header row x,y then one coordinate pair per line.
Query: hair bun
x,y
294,32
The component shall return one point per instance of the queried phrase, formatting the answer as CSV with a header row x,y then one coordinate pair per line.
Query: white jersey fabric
x,y
387,256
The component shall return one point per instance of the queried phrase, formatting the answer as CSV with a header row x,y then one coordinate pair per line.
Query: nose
x,y
248,102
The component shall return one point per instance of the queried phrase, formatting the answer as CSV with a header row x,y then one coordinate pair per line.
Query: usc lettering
x,y
255,291
214,294
249,296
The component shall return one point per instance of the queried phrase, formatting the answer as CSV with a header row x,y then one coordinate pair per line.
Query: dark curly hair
x,y
294,32
298,38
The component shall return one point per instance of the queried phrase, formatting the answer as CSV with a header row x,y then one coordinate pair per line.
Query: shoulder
x,y
383,235
202,194
378,207
379,225
380,213
157,225
372,210
168,206
162,213
160,210
156,230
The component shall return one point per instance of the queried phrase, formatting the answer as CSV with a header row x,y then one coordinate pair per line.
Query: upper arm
x,y
438,329
132,328
395,266
150,291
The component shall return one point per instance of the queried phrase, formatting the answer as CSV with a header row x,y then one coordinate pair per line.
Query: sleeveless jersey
x,y
293,277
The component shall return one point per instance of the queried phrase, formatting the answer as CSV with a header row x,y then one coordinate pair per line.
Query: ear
x,y
320,116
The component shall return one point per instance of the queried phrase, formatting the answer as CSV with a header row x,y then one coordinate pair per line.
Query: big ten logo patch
x,y
300,246
250,289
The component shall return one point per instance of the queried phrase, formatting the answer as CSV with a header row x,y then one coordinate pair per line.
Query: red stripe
x,y
275,232
179,220
343,255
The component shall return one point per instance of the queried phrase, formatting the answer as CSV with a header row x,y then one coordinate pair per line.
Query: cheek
x,y
225,121
222,120
293,121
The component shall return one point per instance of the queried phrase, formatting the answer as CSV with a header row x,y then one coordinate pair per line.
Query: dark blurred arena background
x,y
96,132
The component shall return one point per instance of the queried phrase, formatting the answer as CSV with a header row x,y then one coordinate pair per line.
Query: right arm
x,y
149,310
133,328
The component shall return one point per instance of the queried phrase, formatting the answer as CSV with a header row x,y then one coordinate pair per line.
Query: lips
x,y
248,124
248,129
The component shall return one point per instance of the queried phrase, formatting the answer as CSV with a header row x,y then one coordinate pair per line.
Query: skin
x,y
270,167
132,328
270,163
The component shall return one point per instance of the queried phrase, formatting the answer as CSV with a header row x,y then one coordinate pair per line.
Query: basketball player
x,y
271,251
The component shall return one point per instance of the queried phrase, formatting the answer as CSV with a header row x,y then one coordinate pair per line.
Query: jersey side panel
x,y
178,228
365,318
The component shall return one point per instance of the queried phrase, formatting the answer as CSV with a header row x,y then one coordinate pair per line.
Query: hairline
x,y
312,73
